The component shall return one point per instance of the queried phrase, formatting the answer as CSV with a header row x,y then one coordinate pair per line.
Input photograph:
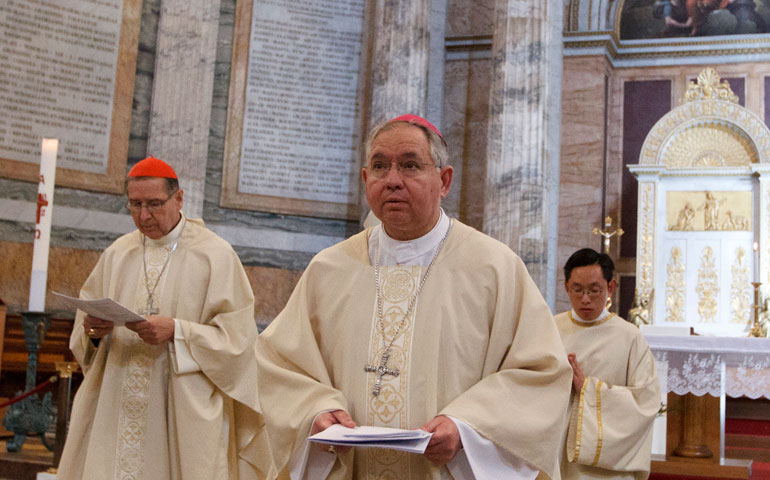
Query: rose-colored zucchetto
x,y
418,121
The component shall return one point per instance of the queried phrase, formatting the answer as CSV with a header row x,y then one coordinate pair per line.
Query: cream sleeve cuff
x,y
181,357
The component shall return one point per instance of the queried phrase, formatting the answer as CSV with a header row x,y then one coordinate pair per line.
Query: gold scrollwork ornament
x,y
709,86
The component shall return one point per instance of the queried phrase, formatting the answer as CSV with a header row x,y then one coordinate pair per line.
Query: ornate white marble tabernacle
x,y
703,212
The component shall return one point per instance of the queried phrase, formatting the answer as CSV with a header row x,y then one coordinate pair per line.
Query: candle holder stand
x,y
757,329
31,414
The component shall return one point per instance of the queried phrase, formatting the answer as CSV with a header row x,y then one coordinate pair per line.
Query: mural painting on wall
x,y
648,19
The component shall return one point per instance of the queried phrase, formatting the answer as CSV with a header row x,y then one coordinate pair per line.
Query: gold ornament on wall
x,y
707,287
740,291
675,287
644,246
712,143
708,129
709,87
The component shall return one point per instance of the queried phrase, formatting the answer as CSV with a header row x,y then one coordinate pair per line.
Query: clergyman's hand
x,y
96,327
445,442
326,420
154,330
578,377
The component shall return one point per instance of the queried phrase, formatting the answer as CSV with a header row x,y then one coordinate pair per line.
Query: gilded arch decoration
x,y
703,194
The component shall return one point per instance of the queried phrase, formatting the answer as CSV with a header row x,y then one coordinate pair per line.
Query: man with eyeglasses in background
x,y
615,389
420,322
173,396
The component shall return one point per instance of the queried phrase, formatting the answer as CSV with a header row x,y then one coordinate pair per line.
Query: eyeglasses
x,y
152,206
408,169
593,292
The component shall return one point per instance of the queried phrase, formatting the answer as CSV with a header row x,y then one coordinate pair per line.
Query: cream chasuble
x,y
449,358
135,417
610,420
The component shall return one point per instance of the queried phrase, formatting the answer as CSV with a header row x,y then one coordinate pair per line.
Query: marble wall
x,y
467,77
68,269
274,248
582,160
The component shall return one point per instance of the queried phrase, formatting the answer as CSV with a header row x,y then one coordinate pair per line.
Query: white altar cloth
x,y
717,366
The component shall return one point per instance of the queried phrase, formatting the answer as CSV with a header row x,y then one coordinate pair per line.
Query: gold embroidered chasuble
x,y
611,419
389,408
481,346
133,417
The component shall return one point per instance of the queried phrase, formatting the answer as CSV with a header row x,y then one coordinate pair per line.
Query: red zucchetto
x,y
418,121
152,167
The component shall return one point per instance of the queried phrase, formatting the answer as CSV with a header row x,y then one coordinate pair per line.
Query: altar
x,y
703,266
717,366
700,372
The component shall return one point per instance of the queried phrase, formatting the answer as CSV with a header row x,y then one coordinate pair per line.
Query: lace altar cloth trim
x,y
714,365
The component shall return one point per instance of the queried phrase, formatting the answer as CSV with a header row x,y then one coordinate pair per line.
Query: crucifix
x,y
606,234
381,370
149,309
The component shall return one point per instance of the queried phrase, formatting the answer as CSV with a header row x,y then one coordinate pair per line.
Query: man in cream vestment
x,y
420,322
616,393
174,396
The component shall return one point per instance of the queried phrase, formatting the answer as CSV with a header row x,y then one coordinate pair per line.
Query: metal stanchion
x,y
65,370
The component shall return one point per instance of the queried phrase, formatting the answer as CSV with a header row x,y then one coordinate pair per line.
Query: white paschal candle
x,y
39,276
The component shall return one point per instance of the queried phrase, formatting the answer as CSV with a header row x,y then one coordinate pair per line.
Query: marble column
x,y
182,93
521,196
400,58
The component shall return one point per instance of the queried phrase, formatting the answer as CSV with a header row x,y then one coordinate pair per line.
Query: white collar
x,y
410,252
605,313
171,237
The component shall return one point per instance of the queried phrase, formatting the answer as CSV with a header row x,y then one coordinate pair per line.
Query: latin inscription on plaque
x,y
57,79
300,133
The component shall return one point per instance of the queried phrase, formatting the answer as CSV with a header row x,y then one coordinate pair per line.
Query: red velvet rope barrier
x,y
42,385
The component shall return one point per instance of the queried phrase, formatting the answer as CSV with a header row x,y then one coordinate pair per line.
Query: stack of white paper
x,y
414,441
104,308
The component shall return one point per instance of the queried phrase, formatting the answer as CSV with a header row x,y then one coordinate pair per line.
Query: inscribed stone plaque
x,y
293,123
68,73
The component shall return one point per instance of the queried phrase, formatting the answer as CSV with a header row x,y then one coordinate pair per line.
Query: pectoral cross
x,y
149,309
381,370
606,234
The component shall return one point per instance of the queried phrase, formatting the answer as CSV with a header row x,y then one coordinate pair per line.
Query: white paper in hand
x,y
104,308
414,441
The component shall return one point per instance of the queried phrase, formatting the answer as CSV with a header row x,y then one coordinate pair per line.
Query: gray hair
x,y
438,149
